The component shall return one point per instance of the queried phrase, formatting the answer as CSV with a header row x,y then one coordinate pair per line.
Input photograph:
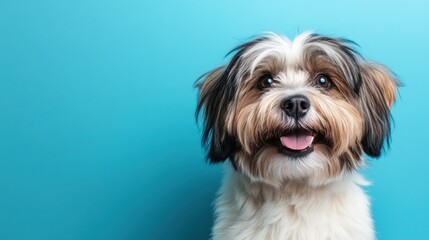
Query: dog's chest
x,y
343,215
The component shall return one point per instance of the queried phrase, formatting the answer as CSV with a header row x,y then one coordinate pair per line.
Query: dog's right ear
x,y
216,92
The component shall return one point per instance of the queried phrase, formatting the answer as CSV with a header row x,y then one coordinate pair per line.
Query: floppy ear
x,y
216,92
377,94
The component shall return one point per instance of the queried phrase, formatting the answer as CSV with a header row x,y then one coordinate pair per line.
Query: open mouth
x,y
297,142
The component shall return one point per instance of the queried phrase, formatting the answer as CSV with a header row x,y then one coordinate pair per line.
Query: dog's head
x,y
305,109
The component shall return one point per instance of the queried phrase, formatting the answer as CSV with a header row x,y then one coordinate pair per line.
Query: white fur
x,y
248,210
290,199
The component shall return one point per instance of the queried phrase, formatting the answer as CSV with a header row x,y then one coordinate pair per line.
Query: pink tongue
x,y
297,142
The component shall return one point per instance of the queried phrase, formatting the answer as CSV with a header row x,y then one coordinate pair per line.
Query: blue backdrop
x,y
97,132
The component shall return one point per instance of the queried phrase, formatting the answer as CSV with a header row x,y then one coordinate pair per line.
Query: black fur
x,y
214,100
376,111
368,92
349,58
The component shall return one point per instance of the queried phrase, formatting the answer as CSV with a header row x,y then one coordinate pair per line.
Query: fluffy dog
x,y
294,119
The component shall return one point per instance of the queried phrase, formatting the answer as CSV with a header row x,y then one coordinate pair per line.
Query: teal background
x,y
97,132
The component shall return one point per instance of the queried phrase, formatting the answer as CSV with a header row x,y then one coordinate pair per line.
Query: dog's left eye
x,y
323,81
265,81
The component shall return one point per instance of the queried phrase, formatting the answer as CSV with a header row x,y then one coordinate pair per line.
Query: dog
x,y
292,121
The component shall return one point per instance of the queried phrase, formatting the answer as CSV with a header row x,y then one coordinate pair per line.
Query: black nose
x,y
296,106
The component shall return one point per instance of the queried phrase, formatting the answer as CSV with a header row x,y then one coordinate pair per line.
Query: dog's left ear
x,y
376,96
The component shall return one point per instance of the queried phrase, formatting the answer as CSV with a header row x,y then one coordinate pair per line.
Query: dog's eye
x,y
323,81
265,81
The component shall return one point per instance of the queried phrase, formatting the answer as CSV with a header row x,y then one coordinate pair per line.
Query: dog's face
x,y
304,110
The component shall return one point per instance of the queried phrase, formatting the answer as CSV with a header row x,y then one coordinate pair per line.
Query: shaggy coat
x,y
294,119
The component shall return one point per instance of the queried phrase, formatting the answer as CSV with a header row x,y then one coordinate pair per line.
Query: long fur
x,y
270,194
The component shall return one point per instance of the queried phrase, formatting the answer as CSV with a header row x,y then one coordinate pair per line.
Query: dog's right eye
x,y
265,81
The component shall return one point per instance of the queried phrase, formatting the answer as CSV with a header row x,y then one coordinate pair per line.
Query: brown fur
x,y
241,119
